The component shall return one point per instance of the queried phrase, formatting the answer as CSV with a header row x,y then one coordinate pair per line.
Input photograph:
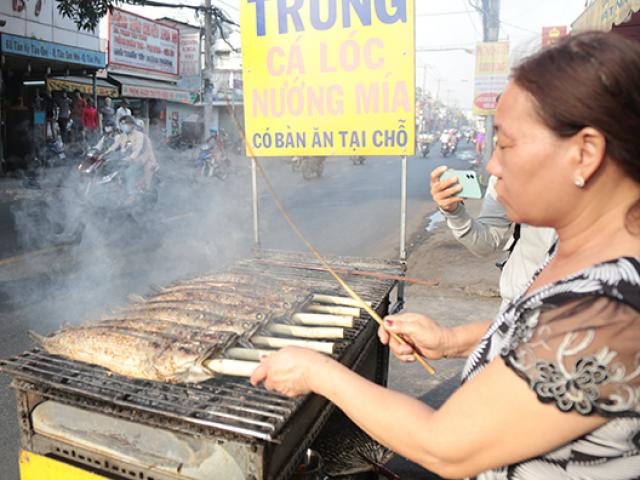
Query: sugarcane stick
x,y
276,342
323,320
253,354
336,300
306,332
324,264
226,366
334,310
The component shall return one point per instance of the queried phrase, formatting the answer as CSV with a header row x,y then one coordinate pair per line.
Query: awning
x,y
604,14
84,84
135,87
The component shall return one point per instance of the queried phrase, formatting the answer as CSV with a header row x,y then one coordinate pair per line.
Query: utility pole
x,y
209,39
491,31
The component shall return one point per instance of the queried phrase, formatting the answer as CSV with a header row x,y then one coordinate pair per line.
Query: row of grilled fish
x,y
169,335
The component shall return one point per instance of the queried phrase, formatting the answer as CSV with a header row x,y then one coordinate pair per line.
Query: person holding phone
x,y
492,231
551,387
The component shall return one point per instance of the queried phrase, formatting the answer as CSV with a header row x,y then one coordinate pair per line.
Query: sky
x,y
444,24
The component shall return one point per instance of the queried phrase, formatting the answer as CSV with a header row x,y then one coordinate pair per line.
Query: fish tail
x,y
36,337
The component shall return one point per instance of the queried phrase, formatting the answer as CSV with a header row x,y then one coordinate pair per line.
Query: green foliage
x,y
87,13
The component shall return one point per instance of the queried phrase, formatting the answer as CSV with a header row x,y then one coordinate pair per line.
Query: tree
x,y
87,13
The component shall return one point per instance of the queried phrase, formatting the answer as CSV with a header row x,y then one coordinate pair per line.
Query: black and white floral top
x,y
576,342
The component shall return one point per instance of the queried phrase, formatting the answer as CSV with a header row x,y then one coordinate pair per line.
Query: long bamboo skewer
x,y
348,271
315,252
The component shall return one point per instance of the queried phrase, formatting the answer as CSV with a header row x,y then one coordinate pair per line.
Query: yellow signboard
x,y
492,73
603,14
329,77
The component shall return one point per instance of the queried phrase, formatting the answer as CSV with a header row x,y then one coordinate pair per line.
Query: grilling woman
x,y
551,387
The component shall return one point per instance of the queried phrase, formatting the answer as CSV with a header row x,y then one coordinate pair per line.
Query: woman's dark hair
x,y
591,80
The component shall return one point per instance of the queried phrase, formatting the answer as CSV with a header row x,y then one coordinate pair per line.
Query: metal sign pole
x,y
403,233
403,211
254,196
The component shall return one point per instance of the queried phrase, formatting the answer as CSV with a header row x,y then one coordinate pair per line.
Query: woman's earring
x,y
579,181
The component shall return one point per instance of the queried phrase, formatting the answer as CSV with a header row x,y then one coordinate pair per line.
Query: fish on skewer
x,y
184,317
224,298
235,312
133,354
208,333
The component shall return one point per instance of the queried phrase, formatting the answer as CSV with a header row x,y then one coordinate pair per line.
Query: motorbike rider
x,y
107,139
138,152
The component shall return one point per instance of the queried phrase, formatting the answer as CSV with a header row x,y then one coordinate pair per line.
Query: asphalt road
x,y
198,225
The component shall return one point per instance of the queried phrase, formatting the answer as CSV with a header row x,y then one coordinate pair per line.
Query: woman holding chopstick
x,y
551,387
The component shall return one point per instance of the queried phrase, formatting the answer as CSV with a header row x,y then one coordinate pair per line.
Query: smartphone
x,y
467,179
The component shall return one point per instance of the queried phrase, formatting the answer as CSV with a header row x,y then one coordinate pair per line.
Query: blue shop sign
x,y
29,47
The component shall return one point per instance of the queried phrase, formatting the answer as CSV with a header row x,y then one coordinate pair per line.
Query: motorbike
x,y
448,148
358,159
424,143
102,187
212,162
311,167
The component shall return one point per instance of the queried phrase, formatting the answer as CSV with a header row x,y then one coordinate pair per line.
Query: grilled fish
x,y
192,318
135,354
233,313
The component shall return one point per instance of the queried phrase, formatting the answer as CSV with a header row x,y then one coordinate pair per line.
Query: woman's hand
x,y
426,336
288,371
443,192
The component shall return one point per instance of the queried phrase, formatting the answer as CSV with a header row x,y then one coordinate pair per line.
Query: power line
x,y
442,14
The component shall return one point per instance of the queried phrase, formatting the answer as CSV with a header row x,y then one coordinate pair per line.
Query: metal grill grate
x,y
222,404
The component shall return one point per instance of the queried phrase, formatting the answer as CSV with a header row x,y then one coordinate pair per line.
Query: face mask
x,y
125,128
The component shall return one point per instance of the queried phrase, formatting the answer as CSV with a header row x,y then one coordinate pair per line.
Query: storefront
x,y
37,45
621,17
144,61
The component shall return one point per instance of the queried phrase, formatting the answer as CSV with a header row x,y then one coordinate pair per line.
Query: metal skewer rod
x,y
316,253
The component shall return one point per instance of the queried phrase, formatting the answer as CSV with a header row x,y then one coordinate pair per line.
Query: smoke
x,y
91,254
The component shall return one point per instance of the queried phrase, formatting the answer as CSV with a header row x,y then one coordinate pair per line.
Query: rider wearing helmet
x,y
137,149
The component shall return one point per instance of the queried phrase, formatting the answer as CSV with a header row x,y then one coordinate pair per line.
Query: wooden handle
x,y
251,354
336,300
323,320
306,332
227,366
334,310
276,342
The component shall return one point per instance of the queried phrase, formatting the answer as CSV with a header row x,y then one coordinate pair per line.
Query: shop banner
x,y
70,86
552,35
29,47
190,67
136,91
604,14
329,77
140,43
492,74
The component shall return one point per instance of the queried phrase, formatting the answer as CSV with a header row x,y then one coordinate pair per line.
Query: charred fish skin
x,y
171,330
237,313
193,319
131,354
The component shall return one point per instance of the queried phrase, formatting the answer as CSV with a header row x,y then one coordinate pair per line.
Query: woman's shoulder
x,y
617,278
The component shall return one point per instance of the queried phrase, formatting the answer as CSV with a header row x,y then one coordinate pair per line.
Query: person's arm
x,y
481,426
483,235
429,339
137,145
118,142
